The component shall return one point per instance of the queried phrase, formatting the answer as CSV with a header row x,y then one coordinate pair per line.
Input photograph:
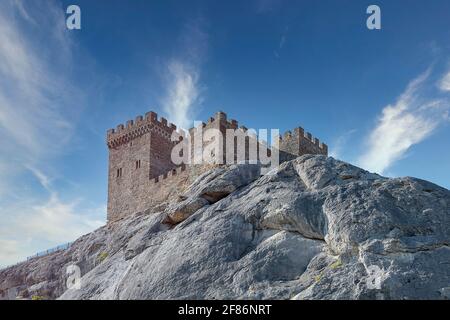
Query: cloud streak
x,y
9,251
51,221
34,97
39,106
182,93
56,221
409,121
340,143
444,84
183,89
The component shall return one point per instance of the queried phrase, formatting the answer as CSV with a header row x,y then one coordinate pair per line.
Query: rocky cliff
x,y
315,228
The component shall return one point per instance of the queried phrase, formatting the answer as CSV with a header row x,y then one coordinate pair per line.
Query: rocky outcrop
x,y
211,187
314,228
45,277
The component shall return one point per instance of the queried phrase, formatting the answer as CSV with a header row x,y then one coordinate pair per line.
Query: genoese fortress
x,y
143,173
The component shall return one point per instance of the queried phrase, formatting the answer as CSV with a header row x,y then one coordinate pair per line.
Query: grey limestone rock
x,y
314,228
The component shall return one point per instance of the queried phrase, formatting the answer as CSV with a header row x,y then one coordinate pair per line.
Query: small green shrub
x,y
37,298
336,264
102,256
318,277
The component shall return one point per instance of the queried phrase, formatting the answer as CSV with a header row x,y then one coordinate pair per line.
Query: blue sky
x,y
379,98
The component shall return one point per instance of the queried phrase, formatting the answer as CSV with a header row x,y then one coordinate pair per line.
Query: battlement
x,y
300,142
172,173
299,133
219,121
132,129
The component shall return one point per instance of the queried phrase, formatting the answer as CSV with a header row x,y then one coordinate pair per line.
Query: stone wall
x,y
152,192
240,138
298,143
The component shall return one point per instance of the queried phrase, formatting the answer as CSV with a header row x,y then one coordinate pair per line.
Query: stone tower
x,y
138,152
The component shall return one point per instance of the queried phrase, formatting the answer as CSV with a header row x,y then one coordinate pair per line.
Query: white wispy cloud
x,y
39,105
339,145
43,226
11,249
56,221
44,180
35,222
413,118
282,42
182,93
444,84
34,97
19,5
183,89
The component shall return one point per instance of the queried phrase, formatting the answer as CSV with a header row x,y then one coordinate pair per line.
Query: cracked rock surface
x,y
314,228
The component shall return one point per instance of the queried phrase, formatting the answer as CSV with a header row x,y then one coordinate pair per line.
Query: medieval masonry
x,y
142,174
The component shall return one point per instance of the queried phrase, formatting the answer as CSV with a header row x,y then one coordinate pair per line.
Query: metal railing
x,y
61,247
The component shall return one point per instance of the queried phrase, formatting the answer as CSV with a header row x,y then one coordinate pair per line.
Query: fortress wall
x,y
221,123
298,143
156,191
141,150
160,155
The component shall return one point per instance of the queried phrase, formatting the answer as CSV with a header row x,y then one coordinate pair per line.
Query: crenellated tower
x,y
138,151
